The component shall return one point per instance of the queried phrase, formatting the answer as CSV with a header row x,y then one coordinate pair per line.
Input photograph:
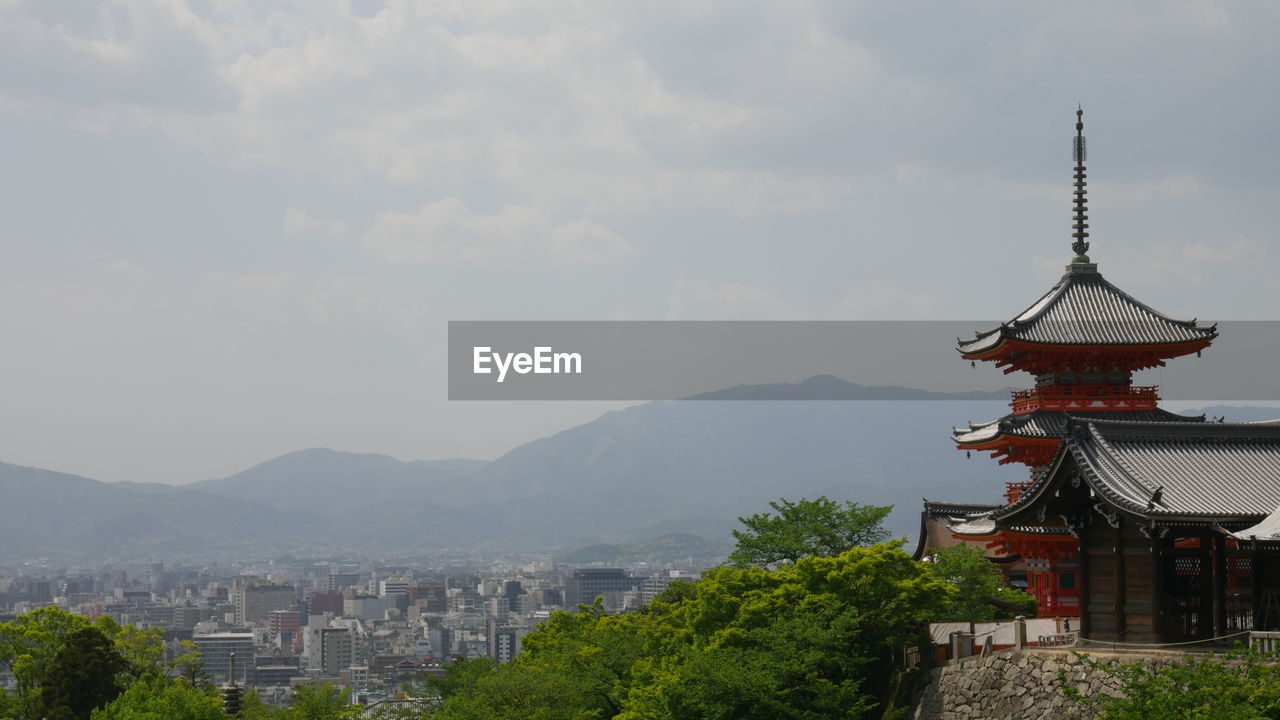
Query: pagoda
x,y
1082,341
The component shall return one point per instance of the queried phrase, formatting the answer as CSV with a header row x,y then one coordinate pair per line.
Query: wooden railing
x,y
1083,397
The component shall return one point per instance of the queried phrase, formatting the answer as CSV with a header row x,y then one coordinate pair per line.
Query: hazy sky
x,y
234,229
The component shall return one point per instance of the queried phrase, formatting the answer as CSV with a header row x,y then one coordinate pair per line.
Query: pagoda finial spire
x,y
1080,245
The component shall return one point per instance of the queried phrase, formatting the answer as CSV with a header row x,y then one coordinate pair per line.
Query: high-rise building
x,y
432,596
215,652
504,641
285,625
335,650
393,586
586,584
320,602
340,580
255,601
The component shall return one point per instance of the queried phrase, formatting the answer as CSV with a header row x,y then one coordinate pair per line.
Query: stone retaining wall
x,y
1016,684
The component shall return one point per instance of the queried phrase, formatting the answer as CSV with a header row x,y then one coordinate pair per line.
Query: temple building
x,y
1134,518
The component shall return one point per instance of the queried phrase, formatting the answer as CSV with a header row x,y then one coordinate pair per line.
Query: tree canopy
x,y
85,674
799,529
157,698
1243,684
810,639
979,584
31,643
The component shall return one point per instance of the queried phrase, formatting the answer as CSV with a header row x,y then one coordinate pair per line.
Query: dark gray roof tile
x,y
1085,309
1053,423
1206,470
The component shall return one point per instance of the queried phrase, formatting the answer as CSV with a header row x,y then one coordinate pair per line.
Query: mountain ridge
x,y
631,475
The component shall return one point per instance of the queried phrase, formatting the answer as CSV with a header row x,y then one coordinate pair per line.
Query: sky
x,y
235,229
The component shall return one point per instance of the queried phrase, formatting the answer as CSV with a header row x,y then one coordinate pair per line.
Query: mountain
x,y
1237,413
320,480
649,472
666,548
830,387
51,513
694,467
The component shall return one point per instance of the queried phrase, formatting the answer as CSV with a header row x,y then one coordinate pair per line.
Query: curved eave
x,y
1003,440
1006,347
1089,298
1048,534
1031,495
1090,464
975,535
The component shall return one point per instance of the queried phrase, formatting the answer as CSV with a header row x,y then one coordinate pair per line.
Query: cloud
x,y
881,300
449,231
298,222
1191,262
700,300
583,241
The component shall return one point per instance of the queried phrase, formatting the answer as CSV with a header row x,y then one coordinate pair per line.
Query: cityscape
x,y
370,627
472,360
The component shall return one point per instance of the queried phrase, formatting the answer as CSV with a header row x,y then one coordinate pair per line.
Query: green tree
x,y
28,645
807,527
1242,684
320,702
810,640
188,665
576,665
85,674
978,583
459,675
142,649
30,642
677,592
158,698
518,691
813,639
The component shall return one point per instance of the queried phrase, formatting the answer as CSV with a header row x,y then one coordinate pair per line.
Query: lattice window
x,y
1186,566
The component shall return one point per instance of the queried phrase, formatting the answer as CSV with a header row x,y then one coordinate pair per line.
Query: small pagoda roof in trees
x,y
1085,310
1167,472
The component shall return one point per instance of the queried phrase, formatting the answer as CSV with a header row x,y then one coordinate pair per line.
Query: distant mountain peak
x,y
830,387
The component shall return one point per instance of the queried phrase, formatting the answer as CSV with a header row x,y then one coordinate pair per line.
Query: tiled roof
x,y
1053,423
979,526
1196,470
1267,530
986,525
1085,309
937,508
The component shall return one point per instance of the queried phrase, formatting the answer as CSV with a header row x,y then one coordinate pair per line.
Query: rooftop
x,y
1085,309
1052,424
1220,472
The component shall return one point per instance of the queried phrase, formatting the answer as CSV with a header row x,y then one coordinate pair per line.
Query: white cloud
x,y
699,300
299,222
583,241
451,232
1191,262
882,300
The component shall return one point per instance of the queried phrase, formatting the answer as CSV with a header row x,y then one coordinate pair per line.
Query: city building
x,y
216,650
336,650
584,585
255,601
